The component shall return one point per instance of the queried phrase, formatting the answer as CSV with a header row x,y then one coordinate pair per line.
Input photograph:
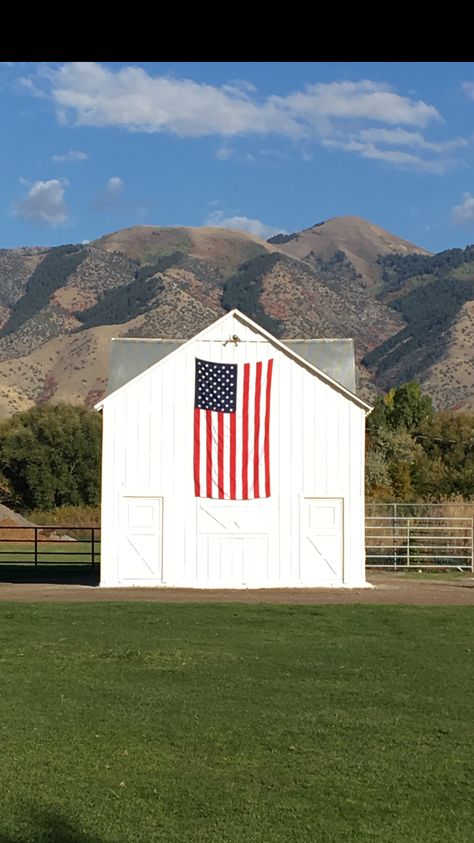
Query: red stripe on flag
x,y
245,432
197,446
256,455
222,447
220,454
233,447
267,429
208,453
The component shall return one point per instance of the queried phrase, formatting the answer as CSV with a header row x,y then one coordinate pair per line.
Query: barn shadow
x,y
61,555
17,573
48,826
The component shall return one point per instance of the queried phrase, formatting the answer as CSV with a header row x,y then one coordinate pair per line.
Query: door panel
x,y
233,542
140,545
235,517
321,552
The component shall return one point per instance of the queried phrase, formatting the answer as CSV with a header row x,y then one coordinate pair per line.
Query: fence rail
x,y
418,540
397,536
49,545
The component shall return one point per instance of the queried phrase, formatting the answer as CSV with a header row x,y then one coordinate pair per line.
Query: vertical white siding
x,y
109,483
316,446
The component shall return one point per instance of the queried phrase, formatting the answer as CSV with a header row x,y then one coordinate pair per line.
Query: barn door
x,y
321,554
140,545
233,542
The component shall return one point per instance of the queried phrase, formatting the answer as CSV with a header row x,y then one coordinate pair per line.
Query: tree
x,y
378,485
393,449
408,407
390,457
50,456
402,408
448,440
416,454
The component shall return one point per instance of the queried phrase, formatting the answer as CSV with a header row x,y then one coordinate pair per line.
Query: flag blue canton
x,y
216,386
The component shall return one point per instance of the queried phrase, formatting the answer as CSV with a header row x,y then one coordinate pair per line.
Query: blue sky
x,y
88,148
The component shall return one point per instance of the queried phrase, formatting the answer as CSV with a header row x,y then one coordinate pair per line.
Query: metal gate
x,y
396,539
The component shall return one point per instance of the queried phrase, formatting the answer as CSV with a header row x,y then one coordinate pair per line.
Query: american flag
x,y
232,430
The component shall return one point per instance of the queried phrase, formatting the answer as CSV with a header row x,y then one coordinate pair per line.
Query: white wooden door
x,y
321,550
140,545
233,542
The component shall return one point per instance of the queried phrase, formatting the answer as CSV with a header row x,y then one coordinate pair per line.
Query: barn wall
x,y
317,450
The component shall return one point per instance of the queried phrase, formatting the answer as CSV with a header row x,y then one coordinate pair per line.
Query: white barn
x,y
308,531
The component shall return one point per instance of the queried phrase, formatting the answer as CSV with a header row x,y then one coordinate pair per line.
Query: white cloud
x,y
464,213
44,203
110,198
257,227
131,98
115,185
363,100
398,157
227,153
241,87
224,153
364,117
26,84
70,157
402,137
468,88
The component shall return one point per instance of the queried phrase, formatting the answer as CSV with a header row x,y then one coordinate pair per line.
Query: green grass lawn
x,y
236,723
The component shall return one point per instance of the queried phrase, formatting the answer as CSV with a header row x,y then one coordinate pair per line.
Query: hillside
x,y
345,277
435,297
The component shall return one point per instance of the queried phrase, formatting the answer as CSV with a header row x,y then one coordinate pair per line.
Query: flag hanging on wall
x,y
232,430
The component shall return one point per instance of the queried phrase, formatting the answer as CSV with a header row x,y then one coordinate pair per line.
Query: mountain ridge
x,y
342,277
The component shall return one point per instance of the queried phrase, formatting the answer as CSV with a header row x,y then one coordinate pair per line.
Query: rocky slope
x,y
345,277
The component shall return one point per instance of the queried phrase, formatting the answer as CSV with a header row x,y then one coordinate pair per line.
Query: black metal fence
x,y
50,545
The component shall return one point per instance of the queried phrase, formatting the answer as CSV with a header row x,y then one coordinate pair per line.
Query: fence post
x,y
93,547
408,543
395,535
36,547
472,545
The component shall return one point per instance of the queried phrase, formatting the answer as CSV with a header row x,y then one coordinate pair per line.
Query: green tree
x,y
416,454
408,407
401,408
448,441
378,485
393,449
50,456
389,463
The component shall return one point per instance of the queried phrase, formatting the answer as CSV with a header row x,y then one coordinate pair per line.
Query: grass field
x,y
236,723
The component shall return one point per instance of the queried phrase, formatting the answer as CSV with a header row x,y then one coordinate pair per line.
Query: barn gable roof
x,y
130,356
149,354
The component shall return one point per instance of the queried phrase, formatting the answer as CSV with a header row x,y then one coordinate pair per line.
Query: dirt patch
x,y
10,531
16,533
387,589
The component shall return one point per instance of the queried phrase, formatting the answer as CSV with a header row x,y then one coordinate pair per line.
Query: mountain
x,y
434,294
344,277
360,242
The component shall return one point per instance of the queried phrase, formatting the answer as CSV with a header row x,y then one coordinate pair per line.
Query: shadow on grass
x,y
49,573
47,826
